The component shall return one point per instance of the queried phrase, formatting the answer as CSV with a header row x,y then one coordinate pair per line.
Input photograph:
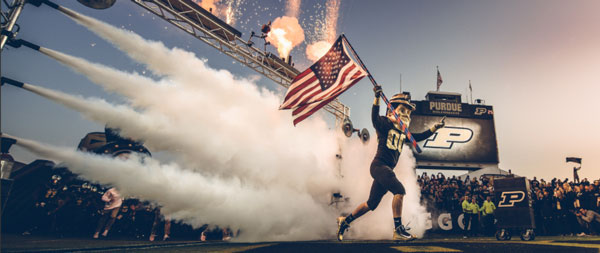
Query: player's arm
x,y
430,131
375,118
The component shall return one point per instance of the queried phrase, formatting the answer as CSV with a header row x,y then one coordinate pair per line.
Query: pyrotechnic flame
x,y
208,4
286,33
284,46
222,9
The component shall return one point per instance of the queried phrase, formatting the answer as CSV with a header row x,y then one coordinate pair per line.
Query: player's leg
x,y
400,232
397,205
388,179
111,221
375,195
101,222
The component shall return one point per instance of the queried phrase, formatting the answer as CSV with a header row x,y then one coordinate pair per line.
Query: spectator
x,y
588,219
575,175
475,216
546,212
488,209
467,217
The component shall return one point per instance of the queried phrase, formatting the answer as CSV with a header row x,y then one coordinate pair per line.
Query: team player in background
x,y
389,145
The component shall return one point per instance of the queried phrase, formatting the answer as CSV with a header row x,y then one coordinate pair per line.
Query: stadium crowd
x,y
561,207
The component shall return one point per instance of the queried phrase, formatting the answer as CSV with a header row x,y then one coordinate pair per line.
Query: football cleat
x,y
342,227
401,234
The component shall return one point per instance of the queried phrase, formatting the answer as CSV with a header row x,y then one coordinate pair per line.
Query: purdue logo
x,y
447,136
510,198
480,111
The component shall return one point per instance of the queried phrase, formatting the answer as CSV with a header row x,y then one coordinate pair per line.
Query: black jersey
x,y
390,139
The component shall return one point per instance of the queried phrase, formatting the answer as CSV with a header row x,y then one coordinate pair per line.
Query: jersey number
x,y
395,140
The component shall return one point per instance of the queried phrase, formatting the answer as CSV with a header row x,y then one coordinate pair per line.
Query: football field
x,y
14,243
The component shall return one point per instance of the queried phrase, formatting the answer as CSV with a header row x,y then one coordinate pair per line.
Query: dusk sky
x,y
537,62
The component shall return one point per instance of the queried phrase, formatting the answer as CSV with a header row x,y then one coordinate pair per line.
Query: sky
x,y
536,62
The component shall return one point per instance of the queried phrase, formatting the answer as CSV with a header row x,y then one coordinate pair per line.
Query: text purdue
x,y
444,106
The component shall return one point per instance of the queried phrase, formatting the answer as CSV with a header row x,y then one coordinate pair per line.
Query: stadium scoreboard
x,y
467,142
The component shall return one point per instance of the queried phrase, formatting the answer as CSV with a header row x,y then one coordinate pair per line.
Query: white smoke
x,y
262,175
235,145
260,212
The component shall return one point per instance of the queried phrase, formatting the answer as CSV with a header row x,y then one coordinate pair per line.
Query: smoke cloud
x,y
239,160
260,212
293,8
225,146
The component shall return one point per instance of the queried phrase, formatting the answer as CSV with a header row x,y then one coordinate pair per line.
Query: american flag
x,y
320,84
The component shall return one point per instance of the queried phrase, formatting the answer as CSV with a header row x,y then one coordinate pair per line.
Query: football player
x,y
389,145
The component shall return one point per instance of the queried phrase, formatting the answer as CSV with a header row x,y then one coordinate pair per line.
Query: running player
x,y
389,145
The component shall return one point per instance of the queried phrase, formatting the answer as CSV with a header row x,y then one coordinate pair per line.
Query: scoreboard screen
x,y
468,137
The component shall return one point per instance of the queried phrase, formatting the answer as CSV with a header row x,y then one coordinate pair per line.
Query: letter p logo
x,y
480,110
446,137
510,198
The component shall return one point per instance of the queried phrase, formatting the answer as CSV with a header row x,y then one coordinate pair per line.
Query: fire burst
x,y
227,10
286,33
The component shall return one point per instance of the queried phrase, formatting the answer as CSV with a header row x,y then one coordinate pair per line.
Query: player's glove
x,y
439,125
377,89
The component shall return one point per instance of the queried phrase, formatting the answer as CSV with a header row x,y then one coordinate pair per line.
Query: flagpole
x,y
400,82
471,91
387,102
437,76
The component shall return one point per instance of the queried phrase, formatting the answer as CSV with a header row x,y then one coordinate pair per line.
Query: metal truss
x,y
200,24
9,20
